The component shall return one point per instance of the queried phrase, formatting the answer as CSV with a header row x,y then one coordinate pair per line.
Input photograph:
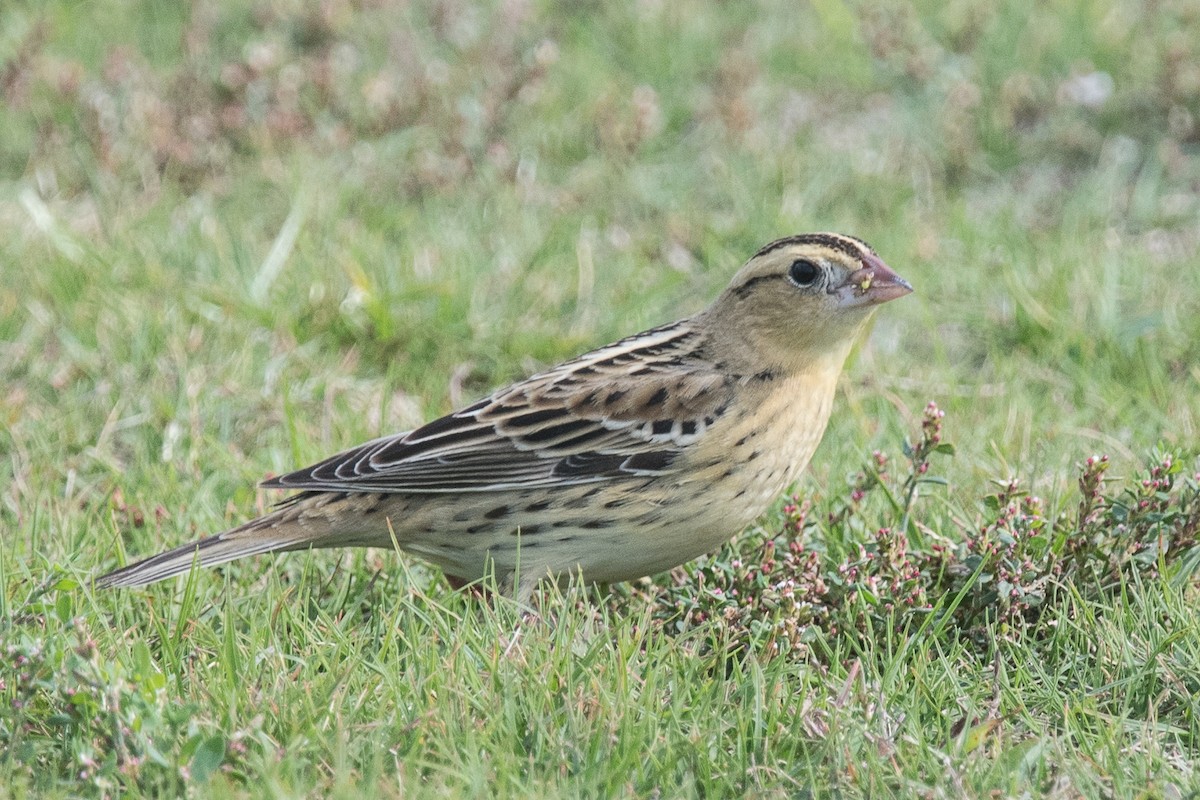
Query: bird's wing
x,y
628,409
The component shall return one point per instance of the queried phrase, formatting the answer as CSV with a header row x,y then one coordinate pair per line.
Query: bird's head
x,y
804,298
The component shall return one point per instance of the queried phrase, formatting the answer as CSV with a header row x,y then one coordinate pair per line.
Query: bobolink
x,y
623,462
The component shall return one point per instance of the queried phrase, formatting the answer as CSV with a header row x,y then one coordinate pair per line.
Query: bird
x,y
624,462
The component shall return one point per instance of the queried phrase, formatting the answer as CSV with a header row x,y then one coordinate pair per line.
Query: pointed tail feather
x,y
277,531
205,553
308,519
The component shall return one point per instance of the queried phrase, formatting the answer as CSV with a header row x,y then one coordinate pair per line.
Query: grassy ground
x,y
235,237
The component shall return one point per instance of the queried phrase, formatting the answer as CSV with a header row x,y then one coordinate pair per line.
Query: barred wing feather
x,y
613,413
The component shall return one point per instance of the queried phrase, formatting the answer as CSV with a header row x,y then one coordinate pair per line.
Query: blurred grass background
x,y
235,237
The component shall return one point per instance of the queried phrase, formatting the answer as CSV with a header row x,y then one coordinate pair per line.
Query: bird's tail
x,y
284,529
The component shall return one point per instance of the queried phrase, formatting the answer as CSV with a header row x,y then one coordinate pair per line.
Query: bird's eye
x,y
804,272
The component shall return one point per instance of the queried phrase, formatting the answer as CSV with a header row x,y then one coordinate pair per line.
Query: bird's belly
x,y
730,486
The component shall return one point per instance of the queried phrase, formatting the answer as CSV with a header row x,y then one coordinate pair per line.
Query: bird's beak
x,y
875,283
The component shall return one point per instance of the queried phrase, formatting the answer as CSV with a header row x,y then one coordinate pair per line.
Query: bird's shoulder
x,y
643,383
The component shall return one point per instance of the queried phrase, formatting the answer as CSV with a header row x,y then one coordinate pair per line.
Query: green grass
x,y
457,194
